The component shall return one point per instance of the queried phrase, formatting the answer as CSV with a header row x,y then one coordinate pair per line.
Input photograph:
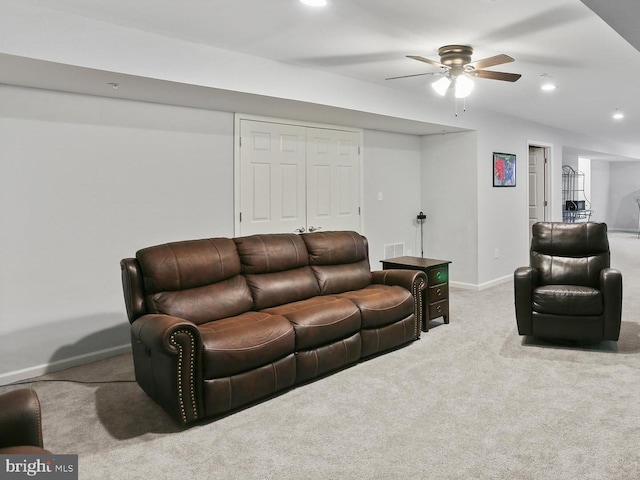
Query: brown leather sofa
x,y
569,293
220,323
21,423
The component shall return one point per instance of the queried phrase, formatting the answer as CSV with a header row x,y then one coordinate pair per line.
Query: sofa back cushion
x,y
198,280
570,253
339,260
276,267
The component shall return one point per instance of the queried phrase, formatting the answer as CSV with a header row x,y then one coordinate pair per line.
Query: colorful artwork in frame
x,y
504,170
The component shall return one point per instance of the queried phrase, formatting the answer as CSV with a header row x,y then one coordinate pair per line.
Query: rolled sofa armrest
x,y
408,279
20,421
156,331
611,288
413,280
168,364
525,279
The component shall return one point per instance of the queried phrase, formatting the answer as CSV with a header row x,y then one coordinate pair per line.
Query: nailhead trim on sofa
x,y
183,411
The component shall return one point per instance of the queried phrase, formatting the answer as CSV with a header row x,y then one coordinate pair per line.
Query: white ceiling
x,y
595,68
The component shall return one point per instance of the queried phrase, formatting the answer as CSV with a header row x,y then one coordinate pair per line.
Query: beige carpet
x,y
471,400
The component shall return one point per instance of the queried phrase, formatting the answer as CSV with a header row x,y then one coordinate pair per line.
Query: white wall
x,y
503,213
391,167
600,191
450,202
623,209
85,182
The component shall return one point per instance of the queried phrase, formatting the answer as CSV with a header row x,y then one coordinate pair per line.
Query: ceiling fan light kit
x,y
464,86
441,86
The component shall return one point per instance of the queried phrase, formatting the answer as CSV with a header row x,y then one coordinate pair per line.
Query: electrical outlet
x,y
380,196
496,253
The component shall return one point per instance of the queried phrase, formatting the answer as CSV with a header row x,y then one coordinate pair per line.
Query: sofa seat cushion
x,y
568,300
238,344
381,305
320,320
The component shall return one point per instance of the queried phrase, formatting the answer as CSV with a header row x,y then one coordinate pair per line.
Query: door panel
x,y
333,183
272,177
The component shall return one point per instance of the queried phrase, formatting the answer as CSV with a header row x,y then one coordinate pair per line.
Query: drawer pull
x,y
439,292
439,308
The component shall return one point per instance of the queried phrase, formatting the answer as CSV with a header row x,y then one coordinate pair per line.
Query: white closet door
x,y
333,180
272,177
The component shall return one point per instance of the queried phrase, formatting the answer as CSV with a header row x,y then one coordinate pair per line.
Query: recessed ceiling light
x,y
548,84
618,115
315,3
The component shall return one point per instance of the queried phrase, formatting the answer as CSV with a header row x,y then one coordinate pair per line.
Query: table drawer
x,y
439,309
438,292
438,275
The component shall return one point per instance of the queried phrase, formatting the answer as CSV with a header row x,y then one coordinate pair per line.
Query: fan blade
x,y
490,62
506,77
426,60
415,75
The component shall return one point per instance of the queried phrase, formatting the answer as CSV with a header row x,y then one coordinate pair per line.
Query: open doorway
x,y
539,156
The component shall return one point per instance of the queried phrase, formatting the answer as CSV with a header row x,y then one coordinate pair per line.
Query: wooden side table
x,y
435,296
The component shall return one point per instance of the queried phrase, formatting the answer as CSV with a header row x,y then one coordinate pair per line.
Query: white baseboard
x,y
482,286
62,364
465,286
497,281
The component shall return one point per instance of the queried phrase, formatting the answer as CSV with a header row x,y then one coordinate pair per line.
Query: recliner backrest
x,y
340,260
276,267
570,253
198,280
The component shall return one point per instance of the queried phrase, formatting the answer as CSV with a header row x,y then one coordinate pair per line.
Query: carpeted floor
x,y
470,400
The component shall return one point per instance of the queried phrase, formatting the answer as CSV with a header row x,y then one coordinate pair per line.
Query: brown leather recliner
x,y
569,293
21,423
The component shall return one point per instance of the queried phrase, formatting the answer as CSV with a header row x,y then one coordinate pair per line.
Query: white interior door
x,y
537,164
333,180
272,177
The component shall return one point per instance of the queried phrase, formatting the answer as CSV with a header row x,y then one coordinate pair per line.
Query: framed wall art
x,y
504,169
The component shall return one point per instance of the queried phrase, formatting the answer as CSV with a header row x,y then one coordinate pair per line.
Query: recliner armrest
x,y
413,280
168,364
525,279
20,419
408,279
611,288
155,331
